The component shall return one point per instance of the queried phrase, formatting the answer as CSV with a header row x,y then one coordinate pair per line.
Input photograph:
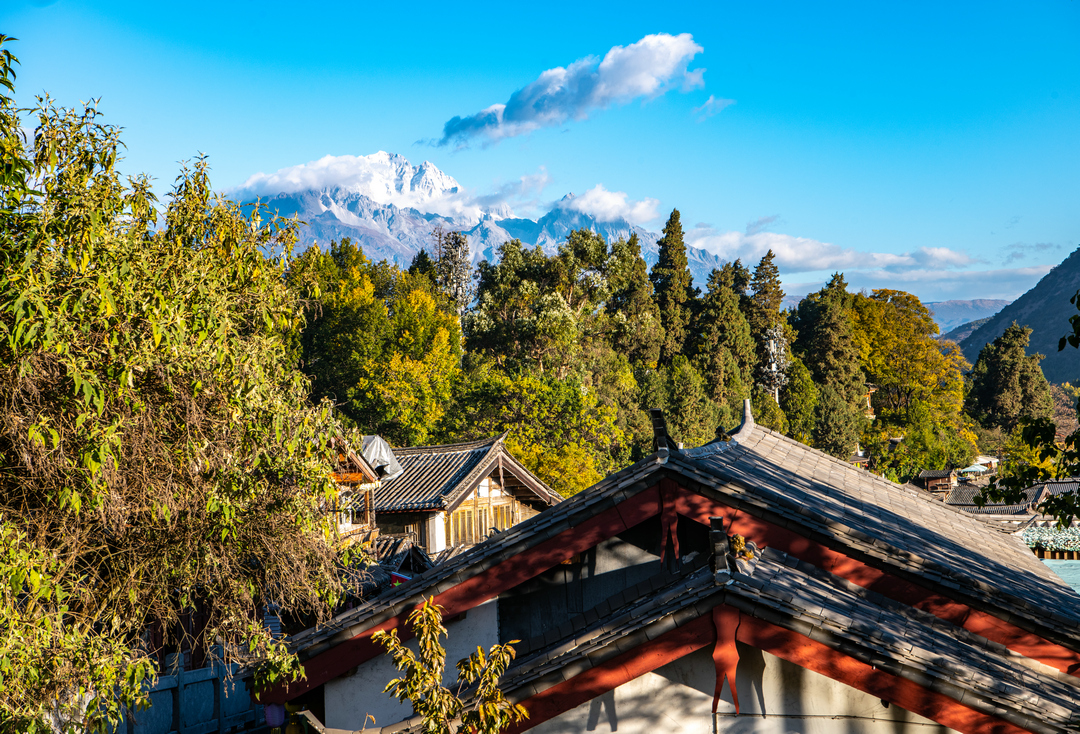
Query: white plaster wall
x,y
350,698
775,697
438,532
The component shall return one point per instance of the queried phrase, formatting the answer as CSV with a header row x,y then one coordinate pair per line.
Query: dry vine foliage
x,y
158,449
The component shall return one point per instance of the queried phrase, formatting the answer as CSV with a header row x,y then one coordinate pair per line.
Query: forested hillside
x,y
1041,309
567,352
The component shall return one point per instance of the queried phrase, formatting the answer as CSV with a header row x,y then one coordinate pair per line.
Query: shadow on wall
x,y
607,703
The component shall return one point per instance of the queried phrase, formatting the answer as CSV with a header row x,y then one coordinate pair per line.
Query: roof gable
x,y
436,477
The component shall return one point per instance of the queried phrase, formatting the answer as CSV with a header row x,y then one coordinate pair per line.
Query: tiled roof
x,y
906,531
964,496
901,530
391,551
1054,487
435,476
934,473
783,591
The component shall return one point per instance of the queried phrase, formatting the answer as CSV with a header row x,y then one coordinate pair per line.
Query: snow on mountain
x,y
390,208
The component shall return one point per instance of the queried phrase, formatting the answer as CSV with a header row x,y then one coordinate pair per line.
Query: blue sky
x,y
924,146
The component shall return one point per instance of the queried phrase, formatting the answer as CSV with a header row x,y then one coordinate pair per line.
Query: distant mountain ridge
x,y
950,314
390,207
963,331
1046,309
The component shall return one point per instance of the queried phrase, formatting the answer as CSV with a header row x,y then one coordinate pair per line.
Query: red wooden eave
x,y
501,577
782,643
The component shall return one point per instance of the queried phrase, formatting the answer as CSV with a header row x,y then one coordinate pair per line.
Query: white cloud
x,y
388,178
525,192
609,206
712,106
931,273
804,255
1021,250
932,284
648,68
761,224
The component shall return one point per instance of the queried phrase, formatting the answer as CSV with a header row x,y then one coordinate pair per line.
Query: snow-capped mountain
x,y
390,208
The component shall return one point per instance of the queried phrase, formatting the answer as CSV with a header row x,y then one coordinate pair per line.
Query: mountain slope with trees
x,y
1040,310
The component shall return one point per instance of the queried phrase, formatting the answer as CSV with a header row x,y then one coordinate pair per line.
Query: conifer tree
x,y
766,411
762,310
799,400
836,424
694,416
1007,384
453,271
826,345
827,340
636,328
723,349
673,289
422,264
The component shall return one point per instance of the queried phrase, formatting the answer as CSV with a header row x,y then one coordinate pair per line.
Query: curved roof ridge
x,y
748,425
450,448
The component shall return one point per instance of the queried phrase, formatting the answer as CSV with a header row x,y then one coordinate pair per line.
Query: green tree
x,y
692,415
673,288
762,310
767,413
529,312
1035,454
636,326
155,433
919,381
926,442
557,429
422,264
478,706
799,400
826,341
1007,384
723,348
381,344
836,424
826,345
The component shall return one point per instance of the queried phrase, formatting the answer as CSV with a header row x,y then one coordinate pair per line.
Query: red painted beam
x,y
815,656
782,643
613,673
520,568
766,534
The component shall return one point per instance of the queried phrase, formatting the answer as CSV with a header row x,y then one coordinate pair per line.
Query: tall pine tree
x,y
636,327
1007,383
826,340
762,310
826,344
673,289
723,349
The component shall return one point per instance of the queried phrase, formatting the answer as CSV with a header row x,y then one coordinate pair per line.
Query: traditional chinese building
x,y
748,585
938,480
457,495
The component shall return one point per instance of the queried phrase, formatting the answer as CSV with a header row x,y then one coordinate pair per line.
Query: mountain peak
x,y
385,178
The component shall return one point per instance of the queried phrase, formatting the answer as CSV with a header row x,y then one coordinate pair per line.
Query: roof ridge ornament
x,y
662,443
748,423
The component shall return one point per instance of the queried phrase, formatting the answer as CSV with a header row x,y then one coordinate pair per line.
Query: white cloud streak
x,y
713,106
648,68
804,255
